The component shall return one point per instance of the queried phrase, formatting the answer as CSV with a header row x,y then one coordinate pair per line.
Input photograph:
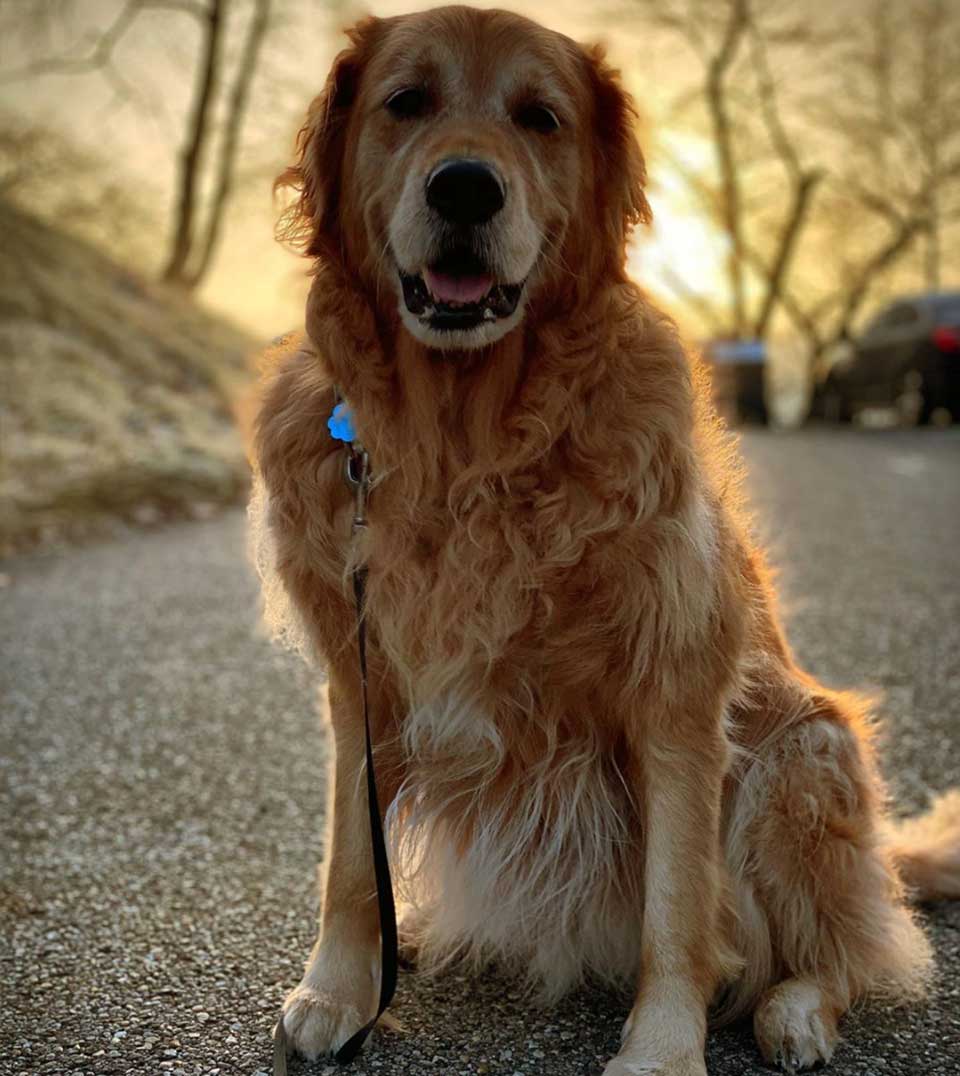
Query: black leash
x,y
381,865
357,474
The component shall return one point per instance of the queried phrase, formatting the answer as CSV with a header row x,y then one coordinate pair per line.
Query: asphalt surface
x,y
161,787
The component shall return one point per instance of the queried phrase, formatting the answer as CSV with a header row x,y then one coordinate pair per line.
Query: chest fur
x,y
518,841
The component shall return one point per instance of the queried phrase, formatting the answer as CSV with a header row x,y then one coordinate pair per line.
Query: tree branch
x,y
803,182
882,259
802,195
191,156
226,168
717,70
768,106
100,56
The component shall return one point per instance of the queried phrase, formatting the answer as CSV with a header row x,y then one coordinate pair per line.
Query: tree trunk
x,y
889,253
191,158
776,280
226,165
731,212
931,132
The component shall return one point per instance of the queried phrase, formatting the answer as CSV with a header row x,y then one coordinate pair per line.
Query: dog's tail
x,y
926,849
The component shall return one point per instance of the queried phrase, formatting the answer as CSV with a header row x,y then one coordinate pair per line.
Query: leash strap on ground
x,y
381,865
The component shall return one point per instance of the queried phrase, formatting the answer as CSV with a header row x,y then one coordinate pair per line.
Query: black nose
x,y
464,191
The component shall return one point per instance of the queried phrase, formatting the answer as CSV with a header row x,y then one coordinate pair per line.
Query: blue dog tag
x,y
340,423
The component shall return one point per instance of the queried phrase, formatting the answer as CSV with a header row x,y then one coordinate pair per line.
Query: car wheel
x,y
913,408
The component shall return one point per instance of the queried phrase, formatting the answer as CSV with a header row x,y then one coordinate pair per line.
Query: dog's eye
x,y
537,118
407,103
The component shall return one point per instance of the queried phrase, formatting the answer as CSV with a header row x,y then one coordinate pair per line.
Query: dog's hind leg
x,y
823,916
795,1025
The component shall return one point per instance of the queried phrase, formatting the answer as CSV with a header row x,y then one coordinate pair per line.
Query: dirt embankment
x,y
117,397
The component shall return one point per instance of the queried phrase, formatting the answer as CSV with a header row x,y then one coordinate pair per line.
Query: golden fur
x,y
599,755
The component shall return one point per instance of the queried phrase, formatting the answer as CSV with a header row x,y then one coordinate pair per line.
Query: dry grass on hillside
x,y
117,397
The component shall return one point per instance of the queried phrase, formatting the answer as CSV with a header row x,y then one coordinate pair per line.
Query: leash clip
x,y
356,473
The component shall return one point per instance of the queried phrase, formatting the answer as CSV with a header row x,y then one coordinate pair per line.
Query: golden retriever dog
x,y
595,754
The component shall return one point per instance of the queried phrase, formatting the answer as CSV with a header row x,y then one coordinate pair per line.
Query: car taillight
x,y
946,338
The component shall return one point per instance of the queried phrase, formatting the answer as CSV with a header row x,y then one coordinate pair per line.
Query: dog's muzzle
x,y
450,301
458,290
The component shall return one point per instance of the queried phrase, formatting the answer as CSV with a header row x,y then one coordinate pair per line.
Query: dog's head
x,y
464,164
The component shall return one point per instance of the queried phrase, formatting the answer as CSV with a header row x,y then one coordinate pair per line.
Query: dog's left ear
x,y
312,221
621,173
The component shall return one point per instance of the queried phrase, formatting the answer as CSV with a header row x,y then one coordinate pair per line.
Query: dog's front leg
x,y
339,990
681,766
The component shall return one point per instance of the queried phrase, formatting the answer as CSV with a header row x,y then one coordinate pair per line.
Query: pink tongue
x,y
457,289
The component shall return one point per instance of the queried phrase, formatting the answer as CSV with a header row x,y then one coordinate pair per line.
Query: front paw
x,y
317,1022
634,1065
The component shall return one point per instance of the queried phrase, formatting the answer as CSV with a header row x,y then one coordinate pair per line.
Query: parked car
x,y
907,357
739,378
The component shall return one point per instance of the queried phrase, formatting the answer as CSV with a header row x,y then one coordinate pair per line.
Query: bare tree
x,y
718,64
211,20
836,148
937,123
206,155
747,130
803,181
891,121
226,165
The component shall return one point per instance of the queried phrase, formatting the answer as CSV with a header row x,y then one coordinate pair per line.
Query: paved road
x,y
160,786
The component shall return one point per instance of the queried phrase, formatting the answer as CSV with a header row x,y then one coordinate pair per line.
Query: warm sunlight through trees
x,y
833,170
804,162
195,226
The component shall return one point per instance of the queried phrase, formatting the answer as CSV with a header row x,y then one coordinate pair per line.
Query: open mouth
x,y
458,292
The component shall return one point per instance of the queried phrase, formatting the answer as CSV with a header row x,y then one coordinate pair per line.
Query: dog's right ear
x,y
311,223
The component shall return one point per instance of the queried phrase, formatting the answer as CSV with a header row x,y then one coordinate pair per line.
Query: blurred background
x,y
161,768
805,165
